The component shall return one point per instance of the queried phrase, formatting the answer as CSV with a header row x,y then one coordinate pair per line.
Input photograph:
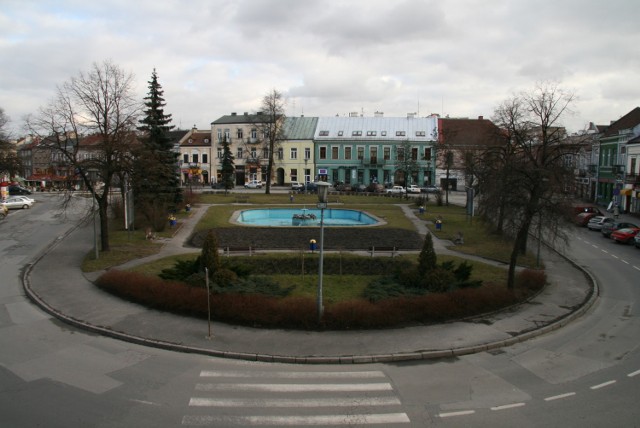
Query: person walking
x,y
616,211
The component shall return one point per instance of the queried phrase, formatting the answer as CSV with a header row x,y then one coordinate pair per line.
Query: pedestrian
x,y
616,211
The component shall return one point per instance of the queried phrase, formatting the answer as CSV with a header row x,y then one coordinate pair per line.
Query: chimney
x,y
378,114
233,113
480,117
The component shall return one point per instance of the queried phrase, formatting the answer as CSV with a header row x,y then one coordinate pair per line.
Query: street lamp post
x,y
323,191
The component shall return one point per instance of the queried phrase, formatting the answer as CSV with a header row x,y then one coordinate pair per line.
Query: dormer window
x,y
400,133
356,134
420,133
324,133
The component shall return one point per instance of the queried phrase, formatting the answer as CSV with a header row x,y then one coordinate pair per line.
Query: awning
x,y
625,192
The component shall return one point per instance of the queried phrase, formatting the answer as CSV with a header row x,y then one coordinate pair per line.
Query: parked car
x,y
430,189
311,187
626,235
583,219
609,228
597,222
14,202
296,186
586,208
413,188
18,190
397,190
360,188
636,241
375,188
26,198
254,184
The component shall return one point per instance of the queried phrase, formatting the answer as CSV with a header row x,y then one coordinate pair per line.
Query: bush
x,y
531,279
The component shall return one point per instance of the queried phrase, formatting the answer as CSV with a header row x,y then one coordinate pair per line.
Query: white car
x,y
413,189
399,190
17,202
254,184
598,222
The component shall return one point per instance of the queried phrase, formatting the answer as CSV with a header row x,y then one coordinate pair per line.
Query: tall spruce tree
x,y
427,260
155,178
228,168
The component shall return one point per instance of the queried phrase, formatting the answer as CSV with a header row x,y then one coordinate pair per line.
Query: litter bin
x,y
421,210
438,225
312,245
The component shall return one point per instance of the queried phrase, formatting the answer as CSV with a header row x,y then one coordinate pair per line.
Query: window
x,y
239,133
414,153
323,152
427,153
356,134
205,158
294,153
219,153
632,170
254,134
307,153
387,153
360,153
373,155
294,174
340,133
347,153
254,153
280,153
265,153
334,153
324,133
185,158
194,158
227,135
371,133
206,140
400,133
400,153
420,133
219,134
239,153
383,133
190,140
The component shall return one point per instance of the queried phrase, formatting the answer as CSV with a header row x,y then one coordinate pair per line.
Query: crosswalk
x,y
294,398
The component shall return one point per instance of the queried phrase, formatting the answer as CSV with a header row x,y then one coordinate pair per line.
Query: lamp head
x,y
323,191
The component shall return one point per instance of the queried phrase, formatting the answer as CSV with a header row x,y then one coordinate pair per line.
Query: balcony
x,y
632,179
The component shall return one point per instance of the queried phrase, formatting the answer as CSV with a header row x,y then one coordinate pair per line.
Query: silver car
x,y
17,202
598,222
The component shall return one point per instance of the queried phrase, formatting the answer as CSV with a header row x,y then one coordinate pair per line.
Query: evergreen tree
x,y
228,168
155,178
427,260
210,258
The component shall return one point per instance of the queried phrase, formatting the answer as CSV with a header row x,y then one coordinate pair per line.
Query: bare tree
x,y
10,163
96,108
271,120
531,180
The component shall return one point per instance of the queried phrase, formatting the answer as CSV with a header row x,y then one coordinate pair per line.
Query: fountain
x,y
303,219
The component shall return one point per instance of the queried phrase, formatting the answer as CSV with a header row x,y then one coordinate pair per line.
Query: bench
x,y
383,249
242,198
238,250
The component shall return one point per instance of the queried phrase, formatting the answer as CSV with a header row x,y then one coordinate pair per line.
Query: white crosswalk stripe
x,y
300,398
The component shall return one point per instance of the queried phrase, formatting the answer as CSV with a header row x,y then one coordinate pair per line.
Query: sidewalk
x,y
56,283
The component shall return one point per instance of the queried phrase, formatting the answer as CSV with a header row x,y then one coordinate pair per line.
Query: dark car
x,y
609,228
583,219
430,189
18,190
311,187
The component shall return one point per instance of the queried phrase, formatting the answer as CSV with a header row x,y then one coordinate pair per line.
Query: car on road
x,y
413,188
297,186
609,228
18,190
626,235
430,189
597,222
253,184
583,219
16,202
396,190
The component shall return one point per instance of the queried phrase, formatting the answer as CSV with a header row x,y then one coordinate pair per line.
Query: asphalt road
x,y
586,374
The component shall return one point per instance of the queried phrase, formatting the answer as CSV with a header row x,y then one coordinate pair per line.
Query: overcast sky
x,y
457,57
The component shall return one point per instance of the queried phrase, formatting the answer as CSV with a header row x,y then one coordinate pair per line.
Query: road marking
x,y
594,246
602,385
291,387
558,397
360,419
294,402
508,406
461,413
605,251
632,374
614,256
624,261
293,375
636,267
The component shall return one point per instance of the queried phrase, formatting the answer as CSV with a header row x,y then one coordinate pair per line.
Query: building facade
x,y
365,150
195,160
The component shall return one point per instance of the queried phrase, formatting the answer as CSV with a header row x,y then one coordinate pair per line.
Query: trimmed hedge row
x,y
300,312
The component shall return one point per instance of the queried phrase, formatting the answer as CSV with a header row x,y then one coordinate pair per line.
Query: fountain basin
x,y
288,217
